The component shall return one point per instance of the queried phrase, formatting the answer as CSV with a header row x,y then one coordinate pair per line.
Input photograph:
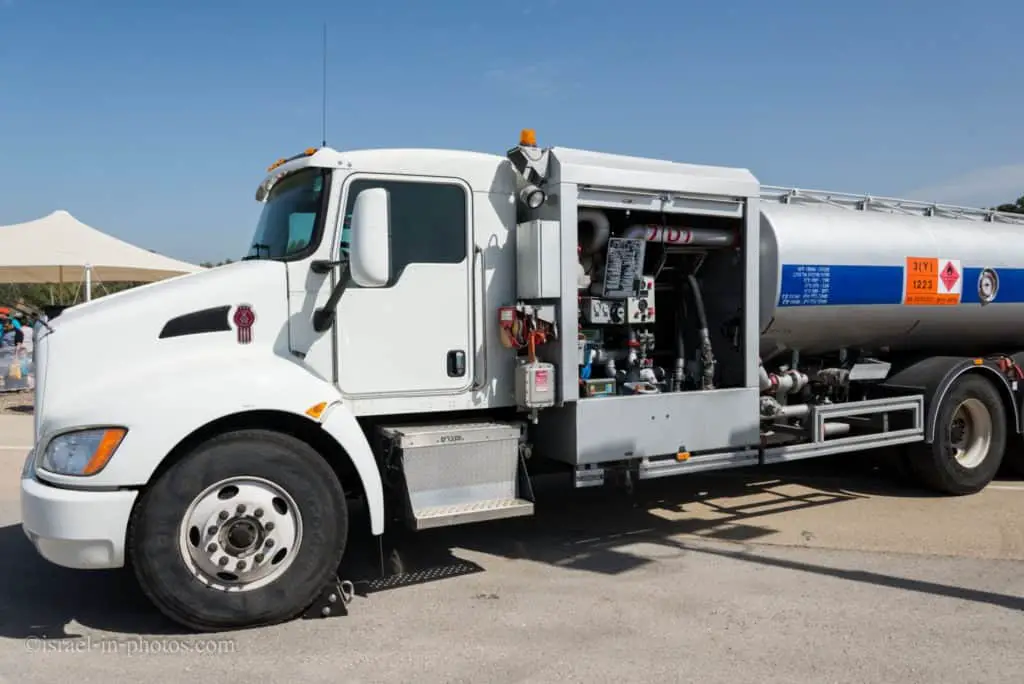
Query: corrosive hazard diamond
x,y
949,275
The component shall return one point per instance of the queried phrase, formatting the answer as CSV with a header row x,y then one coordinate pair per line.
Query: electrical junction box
x,y
640,309
539,260
598,311
535,385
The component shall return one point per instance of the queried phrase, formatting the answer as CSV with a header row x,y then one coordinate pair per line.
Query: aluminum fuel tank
x,y
836,277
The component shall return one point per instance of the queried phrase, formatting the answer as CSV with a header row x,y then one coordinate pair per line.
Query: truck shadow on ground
x,y
724,514
580,530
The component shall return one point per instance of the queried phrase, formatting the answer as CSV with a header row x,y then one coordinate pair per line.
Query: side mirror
x,y
370,238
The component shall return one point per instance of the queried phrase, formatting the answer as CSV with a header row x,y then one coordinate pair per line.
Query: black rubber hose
x,y
698,301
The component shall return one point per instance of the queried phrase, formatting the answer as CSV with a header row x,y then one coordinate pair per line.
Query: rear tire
x,y
970,439
244,531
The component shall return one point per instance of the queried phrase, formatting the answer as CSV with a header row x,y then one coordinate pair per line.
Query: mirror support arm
x,y
323,318
322,266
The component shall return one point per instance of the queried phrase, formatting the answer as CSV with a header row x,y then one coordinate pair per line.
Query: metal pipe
x,y
836,429
787,382
773,410
794,411
683,237
765,379
602,227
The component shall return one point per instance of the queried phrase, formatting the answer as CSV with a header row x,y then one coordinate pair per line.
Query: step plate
x,y
478,511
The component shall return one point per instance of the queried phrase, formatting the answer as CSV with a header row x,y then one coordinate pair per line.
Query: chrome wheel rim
x,y
970,433
240,534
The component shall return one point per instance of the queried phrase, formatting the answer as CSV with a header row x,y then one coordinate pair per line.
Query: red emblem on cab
x,y
244,318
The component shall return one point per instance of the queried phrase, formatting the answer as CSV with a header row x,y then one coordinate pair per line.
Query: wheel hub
x,y
958,432
970,433
240,534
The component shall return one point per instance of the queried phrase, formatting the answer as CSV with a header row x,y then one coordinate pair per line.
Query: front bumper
x,y
84,530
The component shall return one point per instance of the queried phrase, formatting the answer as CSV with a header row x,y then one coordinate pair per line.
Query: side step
x,y
461,473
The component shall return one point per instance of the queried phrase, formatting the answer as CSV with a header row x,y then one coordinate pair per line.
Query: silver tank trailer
x,y
836,277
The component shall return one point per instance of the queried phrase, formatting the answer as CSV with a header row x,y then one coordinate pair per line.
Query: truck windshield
x,y
291,217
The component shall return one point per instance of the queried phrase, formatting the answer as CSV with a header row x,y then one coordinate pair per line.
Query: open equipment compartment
x,y
658,289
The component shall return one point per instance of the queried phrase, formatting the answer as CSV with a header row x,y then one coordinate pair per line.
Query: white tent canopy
x,y
59,248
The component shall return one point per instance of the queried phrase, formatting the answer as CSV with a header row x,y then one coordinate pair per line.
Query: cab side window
x,y
428,222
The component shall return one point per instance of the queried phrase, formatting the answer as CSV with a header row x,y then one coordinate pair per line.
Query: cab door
x,y
413,335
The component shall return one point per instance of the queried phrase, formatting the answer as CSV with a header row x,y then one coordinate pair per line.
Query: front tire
x,y
970,439
246,530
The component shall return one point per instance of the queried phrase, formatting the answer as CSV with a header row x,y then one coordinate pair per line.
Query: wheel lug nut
x,y
241,565
258,558
223,515
212,530
240,509
223,561
211,548
270,543
269,526
258,512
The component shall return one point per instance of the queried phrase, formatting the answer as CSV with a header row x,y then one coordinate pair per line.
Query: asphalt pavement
x,y
832,571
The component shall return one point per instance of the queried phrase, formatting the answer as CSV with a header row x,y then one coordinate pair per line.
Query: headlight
x,y
84,452
28,470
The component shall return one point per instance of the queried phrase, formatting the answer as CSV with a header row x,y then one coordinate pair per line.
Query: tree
x,y
38,295
1014,207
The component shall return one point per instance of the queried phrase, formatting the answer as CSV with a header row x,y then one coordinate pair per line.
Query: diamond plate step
x,y
475,511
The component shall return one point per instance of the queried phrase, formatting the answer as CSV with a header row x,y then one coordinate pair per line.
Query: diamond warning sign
x,y
932,281
949,276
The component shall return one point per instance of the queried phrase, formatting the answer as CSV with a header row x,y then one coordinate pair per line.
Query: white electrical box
x,y
539,260
640,309
596,311
535,385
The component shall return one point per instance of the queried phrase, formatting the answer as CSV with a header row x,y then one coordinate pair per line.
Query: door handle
x,y
456,362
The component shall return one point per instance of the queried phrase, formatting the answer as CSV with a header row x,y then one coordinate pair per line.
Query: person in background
x,y
13,335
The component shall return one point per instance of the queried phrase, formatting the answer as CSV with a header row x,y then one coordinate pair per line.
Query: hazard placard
x,y
931,281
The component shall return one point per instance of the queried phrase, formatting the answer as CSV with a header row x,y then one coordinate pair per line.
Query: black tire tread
x,y
940,472
277,606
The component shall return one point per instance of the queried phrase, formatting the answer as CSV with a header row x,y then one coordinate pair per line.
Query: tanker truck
x,y
421,332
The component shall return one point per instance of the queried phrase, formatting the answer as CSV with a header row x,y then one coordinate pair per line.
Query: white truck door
x,y
412,336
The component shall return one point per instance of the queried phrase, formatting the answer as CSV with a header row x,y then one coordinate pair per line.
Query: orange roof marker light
x,y
308,152
528,137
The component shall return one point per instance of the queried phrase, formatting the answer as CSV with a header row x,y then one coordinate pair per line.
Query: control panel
x,y
597,311
640,309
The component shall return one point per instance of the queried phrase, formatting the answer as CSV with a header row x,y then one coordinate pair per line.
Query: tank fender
x,y
341,425
933,377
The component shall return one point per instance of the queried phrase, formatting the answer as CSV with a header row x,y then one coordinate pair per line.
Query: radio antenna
x,y
323,112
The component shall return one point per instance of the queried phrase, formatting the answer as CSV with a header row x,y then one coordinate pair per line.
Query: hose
x,y
707,355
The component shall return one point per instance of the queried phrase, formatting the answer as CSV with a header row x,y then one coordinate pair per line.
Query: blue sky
x,y
154,121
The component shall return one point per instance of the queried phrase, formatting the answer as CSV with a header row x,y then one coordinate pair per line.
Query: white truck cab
x,y
252,376
411,327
